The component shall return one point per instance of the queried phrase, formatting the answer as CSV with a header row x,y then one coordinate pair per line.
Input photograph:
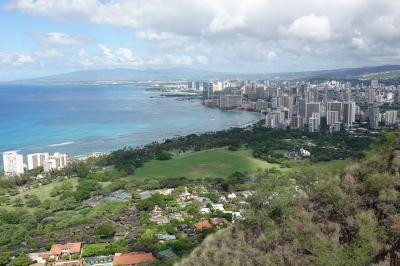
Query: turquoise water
x,y
84,119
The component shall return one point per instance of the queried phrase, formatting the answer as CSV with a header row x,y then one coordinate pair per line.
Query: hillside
x,y
347,219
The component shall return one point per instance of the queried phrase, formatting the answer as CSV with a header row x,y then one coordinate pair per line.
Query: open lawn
x,y
43,192
210,163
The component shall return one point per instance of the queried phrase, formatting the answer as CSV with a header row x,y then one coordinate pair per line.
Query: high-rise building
x,y
13,163
55,162
314,122
390,117
312,108
37,159
332,117
207,90
336,106
374,83
371,95
373,115
349,113
297,122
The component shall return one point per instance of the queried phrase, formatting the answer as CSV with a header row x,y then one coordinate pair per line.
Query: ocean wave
x,y
61,144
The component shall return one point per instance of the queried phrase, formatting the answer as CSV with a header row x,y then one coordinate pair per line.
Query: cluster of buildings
x,y
14,165
71,254
304,106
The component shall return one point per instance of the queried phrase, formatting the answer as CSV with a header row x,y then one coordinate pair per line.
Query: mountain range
x,y
126,74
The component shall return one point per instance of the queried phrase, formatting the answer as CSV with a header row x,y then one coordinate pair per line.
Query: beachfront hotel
x,y
13,163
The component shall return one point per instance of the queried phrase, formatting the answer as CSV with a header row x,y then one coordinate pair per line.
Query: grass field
x,y
43,192
321,168
210,163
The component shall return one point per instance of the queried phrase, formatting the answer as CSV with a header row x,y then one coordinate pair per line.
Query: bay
x,y
82,119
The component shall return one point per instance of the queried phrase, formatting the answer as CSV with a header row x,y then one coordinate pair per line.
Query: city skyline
x,y
50,37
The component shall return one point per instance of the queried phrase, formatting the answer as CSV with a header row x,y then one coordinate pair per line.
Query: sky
x,y
44,37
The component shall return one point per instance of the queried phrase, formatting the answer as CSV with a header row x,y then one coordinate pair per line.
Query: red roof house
x,y
132,258
69,248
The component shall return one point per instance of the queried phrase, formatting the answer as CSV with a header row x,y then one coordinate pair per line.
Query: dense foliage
x,y
347,219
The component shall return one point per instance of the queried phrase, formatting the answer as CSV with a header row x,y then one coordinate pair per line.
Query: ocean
x,y
82,119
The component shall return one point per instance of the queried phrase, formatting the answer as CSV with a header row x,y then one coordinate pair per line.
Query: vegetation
x,y
346,219
210,163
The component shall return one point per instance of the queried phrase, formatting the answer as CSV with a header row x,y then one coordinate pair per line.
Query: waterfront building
x,y
55,162
230,101
37,159
13,163
207,90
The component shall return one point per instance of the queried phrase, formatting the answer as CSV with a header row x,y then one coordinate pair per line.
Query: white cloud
x,y
227,33
312,28
24,59
61,39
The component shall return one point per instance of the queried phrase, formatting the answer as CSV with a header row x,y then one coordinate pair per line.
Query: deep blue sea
x,y
83,119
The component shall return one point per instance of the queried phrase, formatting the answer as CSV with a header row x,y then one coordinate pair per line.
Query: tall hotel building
x,y
37,159
13,163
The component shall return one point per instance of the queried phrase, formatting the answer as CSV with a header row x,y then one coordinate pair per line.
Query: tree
x,y
32,201
164,155
4,258
21,260
105,229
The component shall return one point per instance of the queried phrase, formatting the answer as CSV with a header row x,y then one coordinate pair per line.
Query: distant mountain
x,y
124,74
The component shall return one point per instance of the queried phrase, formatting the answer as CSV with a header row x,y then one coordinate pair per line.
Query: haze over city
x,y
256,36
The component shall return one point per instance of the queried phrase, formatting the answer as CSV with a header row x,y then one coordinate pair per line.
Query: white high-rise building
x,y
55,162
390,117
37,159
13,163
314,122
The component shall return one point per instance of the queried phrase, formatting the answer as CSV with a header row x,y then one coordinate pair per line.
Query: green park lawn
x,y
210,163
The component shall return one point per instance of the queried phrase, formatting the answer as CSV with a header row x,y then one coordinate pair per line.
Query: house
x,y
133,258
304,153
205,224
40,258
204,210
165,191
218,206
69,248
165,237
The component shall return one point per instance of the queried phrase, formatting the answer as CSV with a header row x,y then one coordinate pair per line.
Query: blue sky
x,y
43,37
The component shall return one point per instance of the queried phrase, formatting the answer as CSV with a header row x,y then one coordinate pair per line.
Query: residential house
x,y
133,258
204,224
